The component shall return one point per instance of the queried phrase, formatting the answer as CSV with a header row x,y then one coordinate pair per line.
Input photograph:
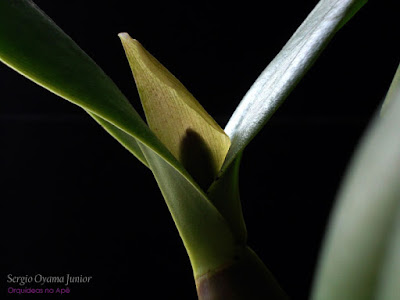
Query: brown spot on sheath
x,y
244,279
197,158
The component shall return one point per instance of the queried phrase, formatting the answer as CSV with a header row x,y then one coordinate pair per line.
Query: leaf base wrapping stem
x,y
247,278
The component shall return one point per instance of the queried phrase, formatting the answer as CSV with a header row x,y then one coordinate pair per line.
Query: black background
x,y
74,201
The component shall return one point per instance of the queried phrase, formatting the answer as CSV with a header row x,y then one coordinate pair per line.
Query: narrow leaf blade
x,y
33,45
285,71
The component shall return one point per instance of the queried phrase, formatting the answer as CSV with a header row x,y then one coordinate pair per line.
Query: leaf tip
x,y
124,36
127,40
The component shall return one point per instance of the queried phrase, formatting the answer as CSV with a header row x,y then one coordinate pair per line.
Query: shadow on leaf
x,y
196,157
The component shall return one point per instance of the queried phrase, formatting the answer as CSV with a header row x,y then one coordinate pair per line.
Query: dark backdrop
x,y
74,201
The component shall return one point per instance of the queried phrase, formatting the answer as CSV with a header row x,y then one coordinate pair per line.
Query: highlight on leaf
x,y
176,117
359,262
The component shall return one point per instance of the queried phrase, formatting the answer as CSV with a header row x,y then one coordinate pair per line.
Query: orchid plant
x,y
196,163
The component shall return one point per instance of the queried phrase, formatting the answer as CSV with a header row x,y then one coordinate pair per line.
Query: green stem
x,y
246,278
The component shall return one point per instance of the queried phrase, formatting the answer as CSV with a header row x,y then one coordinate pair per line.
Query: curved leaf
x,y
360,257
34,46
286,69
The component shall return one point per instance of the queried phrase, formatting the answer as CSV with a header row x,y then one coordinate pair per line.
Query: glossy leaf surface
x,y
285,70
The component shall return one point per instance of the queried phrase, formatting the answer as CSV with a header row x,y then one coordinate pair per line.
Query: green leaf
x,y
268,92
206,235
392,93
388,287
284,72
34,46
360,256
185,127
176,117
224,194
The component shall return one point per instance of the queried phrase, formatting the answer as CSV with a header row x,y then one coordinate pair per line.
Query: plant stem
x,y
246,278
